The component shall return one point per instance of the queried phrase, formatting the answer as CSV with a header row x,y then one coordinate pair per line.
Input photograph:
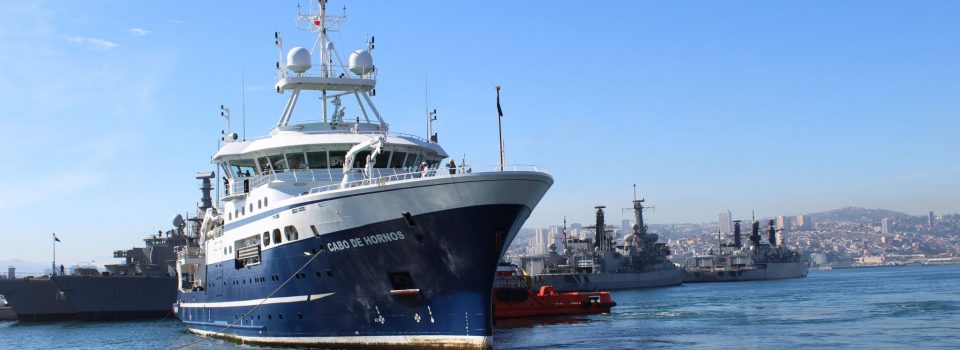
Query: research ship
x,y
339,233
758,261
603,264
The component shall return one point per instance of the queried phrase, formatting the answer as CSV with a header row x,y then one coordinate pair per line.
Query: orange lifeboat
x,y
513,298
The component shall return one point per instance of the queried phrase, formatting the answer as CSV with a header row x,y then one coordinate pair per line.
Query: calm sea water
x,y
878,308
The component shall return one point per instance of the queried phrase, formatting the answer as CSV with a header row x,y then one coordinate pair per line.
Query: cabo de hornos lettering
x,y
365,241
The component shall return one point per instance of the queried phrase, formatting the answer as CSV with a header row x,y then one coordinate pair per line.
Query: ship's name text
x,y
365,241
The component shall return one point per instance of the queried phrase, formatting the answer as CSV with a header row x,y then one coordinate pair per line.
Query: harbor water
x,y
866,308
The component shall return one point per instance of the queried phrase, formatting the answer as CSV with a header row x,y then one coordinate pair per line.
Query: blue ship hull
x,y
365,286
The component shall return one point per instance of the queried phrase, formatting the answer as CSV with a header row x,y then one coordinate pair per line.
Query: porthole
x,y
259,203
276,236
266,239
280,316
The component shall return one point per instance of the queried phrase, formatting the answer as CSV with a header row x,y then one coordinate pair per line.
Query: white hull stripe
x,y
419,341
254,302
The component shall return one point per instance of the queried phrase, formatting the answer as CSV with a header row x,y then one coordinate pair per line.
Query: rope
x,y
254,308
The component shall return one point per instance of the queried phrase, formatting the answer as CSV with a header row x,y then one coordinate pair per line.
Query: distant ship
x,y
759,261
602,264
338,233
143,286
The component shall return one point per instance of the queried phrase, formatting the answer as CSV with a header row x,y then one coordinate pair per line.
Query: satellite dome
x,y
361,62
298,59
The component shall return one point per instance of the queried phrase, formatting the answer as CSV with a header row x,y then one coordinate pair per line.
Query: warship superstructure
x,y
602,263
756,261
339,233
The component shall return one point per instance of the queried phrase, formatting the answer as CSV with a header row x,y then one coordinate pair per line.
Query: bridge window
x,y
278,163
243,167
296,161
264,163
276,236
396,160
337,158
361,160
412,161
382,160
317,160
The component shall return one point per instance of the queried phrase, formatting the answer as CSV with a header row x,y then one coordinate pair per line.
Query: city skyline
x,y
784,109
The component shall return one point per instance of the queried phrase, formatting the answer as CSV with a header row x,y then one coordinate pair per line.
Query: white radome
x,y
298,59
361,62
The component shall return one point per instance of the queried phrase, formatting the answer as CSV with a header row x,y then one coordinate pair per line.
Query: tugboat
x,y
735,262
601,264
339,233
514,298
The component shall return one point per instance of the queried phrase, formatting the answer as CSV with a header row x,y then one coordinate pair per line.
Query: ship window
x,y
337,158
229,216
242,167
315,232
276,235
411,161
236,213
291,233
266,239
278,163
396,160
361,160
259,204
264,164
243,210
264,202
296,162
317,160
251,207
382,160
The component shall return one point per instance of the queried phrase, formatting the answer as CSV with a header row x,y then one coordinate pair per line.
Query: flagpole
x,y
500,126
53,270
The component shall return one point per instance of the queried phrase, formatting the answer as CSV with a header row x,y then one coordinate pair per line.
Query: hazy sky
x,y
108,109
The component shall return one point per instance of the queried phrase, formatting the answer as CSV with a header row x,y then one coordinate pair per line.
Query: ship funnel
x,y
736,234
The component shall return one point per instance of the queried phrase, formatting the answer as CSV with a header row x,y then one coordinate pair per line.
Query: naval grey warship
x,y
604,264
758,261
144,285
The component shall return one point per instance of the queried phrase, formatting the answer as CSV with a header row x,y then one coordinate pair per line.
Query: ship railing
x,y
331,71
427,173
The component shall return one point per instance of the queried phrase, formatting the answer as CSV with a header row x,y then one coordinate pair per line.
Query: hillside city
x,y
845,237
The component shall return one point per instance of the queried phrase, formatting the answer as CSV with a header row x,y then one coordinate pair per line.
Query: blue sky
x,y
109,108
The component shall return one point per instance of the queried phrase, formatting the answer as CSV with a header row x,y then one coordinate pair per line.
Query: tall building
x,y
726,222
539,243
930,220
885,226
625,227
801,222
781,222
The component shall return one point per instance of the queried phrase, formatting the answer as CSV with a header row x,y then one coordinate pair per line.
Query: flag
x,y
55,239
499,110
